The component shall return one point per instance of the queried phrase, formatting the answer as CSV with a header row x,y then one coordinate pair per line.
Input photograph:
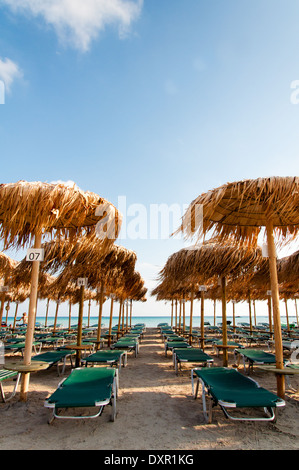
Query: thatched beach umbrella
x,y
202,263
29,210
7,267
241,210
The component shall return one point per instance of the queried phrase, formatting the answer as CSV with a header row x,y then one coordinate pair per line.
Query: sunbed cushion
x,y
52,356
84,387
229,386
256,355
104,356
192,354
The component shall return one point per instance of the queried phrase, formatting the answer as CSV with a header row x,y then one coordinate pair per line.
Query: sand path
x,y
156,411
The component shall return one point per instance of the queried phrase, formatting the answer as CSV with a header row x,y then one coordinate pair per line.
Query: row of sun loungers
x,y
87,386
225,387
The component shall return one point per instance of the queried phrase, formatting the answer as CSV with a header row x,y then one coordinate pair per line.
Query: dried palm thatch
x,y
28,208
21,277
288,268
201,263
241,208
289,290
7,265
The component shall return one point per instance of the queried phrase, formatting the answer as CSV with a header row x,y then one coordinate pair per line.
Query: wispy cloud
x,y
9,72
78,22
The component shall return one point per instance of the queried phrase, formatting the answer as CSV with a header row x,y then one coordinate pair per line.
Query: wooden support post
x,y
224,321
31,320
276,310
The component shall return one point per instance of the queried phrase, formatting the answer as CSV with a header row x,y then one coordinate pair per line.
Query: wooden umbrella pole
x,y
176,315
254,312
202,330
56,315
100,313
47,311
184,316
89,305
180,316
250,313
119,318
31,320
127,316
270,314
287,315
123,318
234,316
80,323
224,322
131,312
191,315
15,317
276,310
171,318
2,308
296,309
214,312
7,310
70,315
110,323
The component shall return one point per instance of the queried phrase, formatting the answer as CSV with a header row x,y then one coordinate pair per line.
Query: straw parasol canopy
x,y
30,210
288,268
205,263
7,267
242,210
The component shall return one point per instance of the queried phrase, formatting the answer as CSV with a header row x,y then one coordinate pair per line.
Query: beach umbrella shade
x,y
207,262
242,210
29,210
7,267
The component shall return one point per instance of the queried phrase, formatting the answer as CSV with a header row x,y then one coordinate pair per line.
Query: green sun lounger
x,y
128,344
19,347
253,356
6,375
55,358
190,355
87,387
171,345
109,357
230,389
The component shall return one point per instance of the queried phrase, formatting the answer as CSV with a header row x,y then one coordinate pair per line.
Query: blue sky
x,y
154,101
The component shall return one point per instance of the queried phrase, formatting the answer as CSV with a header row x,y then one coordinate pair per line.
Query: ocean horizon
x,y
152,321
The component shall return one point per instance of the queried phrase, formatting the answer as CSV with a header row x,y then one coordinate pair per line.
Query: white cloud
x,y
9,71
68,183
78,22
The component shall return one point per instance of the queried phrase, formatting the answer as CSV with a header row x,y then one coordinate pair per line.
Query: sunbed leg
x,y
6,399
113,403
51,419
207,410
2,393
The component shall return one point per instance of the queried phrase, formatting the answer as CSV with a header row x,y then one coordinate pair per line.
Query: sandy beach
x,y
155,411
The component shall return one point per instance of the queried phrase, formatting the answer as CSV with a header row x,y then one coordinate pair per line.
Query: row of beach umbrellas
x,y
76,233
225,225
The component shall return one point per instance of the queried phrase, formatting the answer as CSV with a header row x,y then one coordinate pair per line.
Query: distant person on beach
x,y
24,318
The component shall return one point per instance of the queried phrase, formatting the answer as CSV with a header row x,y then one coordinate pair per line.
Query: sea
x,y
153,321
